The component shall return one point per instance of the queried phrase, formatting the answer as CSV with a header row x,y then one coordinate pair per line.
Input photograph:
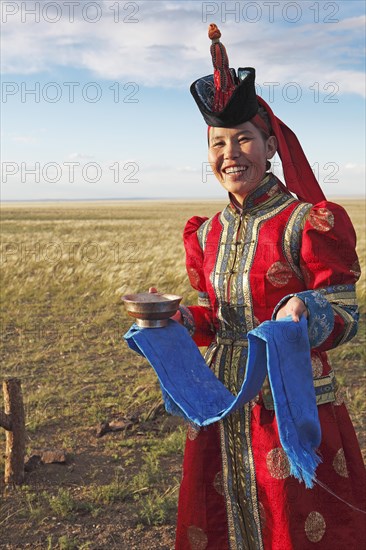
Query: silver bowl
x,y
151,310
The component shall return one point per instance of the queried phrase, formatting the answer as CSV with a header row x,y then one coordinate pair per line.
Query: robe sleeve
x,y
330,267
199,320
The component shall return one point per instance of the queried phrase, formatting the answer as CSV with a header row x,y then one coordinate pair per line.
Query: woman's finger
x,y
294,307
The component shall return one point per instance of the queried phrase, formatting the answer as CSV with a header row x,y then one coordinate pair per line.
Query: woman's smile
x,y
236,169
238,157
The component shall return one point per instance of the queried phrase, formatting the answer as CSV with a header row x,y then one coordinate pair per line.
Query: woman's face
x,y
238,157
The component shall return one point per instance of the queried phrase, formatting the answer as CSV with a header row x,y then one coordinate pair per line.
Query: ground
x,y
64,268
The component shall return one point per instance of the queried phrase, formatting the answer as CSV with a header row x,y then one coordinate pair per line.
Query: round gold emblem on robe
x,y
218,483
192,433
279,274
197,538
315,526
321,219
278,464
340,464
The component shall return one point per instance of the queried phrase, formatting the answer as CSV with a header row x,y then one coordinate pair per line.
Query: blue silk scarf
x,y
278,348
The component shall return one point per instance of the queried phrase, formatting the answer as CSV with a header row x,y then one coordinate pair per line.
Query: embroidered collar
x,y
269,186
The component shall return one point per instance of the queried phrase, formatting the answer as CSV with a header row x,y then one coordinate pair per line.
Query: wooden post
x,y
13,420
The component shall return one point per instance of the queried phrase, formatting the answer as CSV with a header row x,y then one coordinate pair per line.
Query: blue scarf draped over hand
x,y
278,348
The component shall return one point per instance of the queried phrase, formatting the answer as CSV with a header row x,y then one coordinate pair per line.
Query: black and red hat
x,y
228,98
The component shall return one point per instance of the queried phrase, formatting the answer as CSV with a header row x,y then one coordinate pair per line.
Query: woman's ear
x,y
271,146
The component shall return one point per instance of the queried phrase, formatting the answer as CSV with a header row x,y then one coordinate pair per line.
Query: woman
x,y
267,254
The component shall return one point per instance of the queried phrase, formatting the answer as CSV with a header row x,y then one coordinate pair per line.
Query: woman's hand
x,y
294,307
177,316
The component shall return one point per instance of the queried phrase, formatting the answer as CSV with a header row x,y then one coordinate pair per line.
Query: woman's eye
x,y
243,139
217,144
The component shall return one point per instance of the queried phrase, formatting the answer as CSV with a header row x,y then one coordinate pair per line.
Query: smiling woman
x,y
267,255
238,157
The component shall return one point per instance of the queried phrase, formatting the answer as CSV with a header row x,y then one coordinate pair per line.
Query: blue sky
x,y
111,116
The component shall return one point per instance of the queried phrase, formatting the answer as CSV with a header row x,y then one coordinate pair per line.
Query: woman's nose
x,y
232,150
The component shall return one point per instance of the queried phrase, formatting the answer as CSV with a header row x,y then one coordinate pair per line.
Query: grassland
x,y
64,267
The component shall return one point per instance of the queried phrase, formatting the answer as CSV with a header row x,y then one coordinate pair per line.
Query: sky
x,y
95,99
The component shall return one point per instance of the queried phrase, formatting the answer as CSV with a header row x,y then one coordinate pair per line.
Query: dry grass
x,y
64,268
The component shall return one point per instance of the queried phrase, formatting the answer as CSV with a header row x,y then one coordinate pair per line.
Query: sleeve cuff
x,y
188,320
203,299
321,316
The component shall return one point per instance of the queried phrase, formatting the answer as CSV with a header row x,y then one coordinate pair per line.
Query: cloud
x,y
354,168
168,46
24,139
352,23
80,156
188,169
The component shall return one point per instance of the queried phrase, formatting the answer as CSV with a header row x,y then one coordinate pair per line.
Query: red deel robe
x,y
237,491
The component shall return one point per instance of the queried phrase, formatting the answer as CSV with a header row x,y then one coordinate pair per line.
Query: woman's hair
x,y
263,113
261,121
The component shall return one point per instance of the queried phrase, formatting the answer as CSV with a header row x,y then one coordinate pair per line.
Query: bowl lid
x,y
150,297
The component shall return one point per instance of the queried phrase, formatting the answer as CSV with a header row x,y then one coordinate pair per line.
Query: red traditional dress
x,y
237,491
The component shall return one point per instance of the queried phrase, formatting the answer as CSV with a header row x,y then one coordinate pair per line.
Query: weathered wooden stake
x,y
13,420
